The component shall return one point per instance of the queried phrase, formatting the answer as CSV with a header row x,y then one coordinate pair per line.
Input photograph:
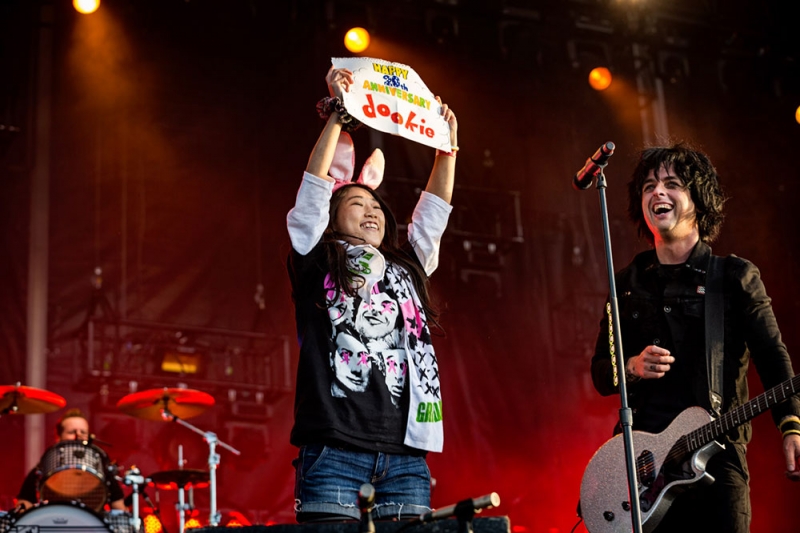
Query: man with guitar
x,y
679,358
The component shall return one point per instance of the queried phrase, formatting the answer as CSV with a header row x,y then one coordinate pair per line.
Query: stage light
x,y
236,519
192,523
152,524
181,362
600,78
86,6
797,115
356,40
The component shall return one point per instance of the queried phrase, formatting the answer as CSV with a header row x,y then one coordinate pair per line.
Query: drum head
x,y
57,517
74,470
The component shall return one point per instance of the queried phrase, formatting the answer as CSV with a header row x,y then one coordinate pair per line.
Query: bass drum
x,y
74,470
57,518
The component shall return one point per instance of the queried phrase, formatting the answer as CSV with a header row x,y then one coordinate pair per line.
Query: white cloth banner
x,y
392,98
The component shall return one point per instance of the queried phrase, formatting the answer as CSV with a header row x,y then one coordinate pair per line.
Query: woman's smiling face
x,y
359,218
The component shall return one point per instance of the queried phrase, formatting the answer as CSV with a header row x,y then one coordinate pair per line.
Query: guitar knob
x,y
626,506
609,516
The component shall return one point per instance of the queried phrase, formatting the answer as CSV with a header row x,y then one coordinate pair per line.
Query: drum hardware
x,y
173,479
6,519
18,399
120,521
182,507
174,405
181,479
134,479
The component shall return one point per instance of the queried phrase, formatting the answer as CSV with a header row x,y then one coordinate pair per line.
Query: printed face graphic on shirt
x,y
396,368
378,317
351,364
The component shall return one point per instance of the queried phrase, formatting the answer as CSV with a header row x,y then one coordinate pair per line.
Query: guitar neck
x,y
744,413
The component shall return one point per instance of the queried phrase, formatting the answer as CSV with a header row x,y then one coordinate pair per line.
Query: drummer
x,y
72,426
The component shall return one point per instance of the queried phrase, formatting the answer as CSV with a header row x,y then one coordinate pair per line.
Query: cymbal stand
x,y
13,407
181,507
213,462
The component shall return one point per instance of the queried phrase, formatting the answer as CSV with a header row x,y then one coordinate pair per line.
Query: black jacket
x,y
664,305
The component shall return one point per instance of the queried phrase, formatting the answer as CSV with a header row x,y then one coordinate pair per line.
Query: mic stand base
x,y
464,512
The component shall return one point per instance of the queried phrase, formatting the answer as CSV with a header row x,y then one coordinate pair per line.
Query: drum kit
x,y
74,476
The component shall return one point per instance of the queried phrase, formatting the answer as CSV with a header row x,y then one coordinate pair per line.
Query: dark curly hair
x,y
345,280
698,175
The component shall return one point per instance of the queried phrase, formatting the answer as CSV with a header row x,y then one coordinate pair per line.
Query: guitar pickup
x,y
646,468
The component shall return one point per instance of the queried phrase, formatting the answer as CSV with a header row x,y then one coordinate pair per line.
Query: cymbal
x,y
21,400
175,479
182,403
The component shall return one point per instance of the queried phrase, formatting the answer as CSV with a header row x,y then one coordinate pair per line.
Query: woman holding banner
x,y
368,424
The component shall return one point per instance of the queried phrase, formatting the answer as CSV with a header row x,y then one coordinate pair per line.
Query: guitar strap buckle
x,y
716,403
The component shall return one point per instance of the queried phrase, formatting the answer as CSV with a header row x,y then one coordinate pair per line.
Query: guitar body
x,y
605,505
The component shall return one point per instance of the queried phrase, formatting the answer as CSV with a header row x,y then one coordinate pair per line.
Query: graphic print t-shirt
x,y
360,407
352,384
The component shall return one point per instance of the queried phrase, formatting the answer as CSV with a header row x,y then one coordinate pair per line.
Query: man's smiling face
x,y
667,206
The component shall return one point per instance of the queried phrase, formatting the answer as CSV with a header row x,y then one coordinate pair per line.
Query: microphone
x,y
93,438
483,502
366,499
594,165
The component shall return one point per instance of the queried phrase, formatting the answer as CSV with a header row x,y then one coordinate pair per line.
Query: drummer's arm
x,y
23,505
118,504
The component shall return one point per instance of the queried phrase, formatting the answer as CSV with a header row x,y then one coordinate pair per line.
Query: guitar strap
x,y
715,330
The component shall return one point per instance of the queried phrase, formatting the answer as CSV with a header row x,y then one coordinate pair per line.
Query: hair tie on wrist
x,y
329,104
451,153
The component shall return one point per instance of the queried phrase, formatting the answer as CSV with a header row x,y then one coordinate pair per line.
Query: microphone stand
x,y
625,413
366,501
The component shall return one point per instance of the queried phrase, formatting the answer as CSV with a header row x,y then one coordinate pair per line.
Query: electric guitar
x,y
667,463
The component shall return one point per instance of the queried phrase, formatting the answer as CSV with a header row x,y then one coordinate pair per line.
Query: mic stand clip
x,y
464,513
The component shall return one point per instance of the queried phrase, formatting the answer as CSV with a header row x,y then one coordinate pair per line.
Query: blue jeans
x,y
327,481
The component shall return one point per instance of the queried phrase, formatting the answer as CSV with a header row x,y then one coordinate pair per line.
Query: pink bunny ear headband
x,y
344,162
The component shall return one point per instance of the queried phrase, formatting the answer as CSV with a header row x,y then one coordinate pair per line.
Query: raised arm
x,y
319,163
443,173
